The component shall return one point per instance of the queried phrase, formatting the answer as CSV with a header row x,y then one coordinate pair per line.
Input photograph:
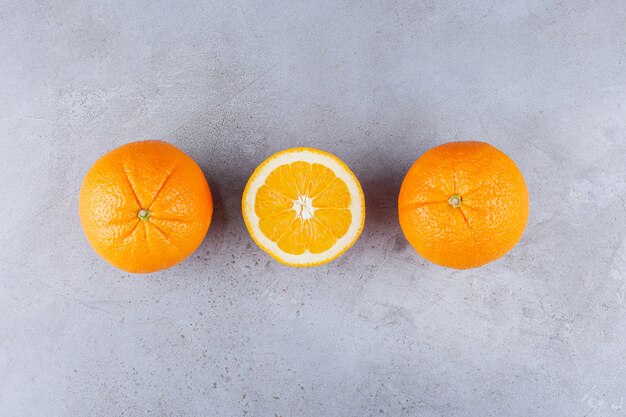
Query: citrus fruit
x,y
145,206
304,207
463,204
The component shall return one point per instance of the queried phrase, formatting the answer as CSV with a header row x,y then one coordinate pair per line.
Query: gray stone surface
x,y
541,332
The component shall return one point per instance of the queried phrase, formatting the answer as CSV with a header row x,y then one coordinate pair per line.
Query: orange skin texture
x,y
492,214
154,176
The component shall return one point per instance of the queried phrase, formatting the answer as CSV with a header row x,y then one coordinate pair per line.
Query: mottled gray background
x,y
541,332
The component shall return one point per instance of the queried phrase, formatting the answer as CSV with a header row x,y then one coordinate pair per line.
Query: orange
x,y
304,207
463,204
145,206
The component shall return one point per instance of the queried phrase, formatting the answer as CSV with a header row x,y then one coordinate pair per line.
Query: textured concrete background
x,y
380,331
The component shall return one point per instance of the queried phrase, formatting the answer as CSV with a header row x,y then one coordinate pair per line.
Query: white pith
x,y
304,206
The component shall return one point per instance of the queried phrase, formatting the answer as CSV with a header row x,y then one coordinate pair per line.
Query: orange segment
x,y
270,202
281,180
321,177
324,239
335,220
296,239
301,172
336,195
276,225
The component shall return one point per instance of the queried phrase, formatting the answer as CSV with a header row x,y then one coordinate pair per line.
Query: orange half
x,y
304,207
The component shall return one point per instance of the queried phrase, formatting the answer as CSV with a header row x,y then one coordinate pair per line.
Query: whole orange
x,y
145,206
463,204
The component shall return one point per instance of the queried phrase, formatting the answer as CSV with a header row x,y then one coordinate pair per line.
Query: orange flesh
x,y
303,207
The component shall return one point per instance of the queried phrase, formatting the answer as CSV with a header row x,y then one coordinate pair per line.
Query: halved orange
x,y
304,207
